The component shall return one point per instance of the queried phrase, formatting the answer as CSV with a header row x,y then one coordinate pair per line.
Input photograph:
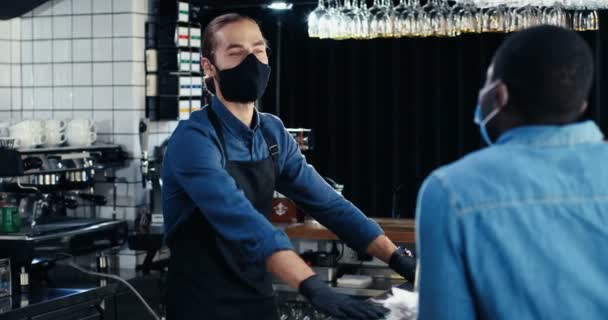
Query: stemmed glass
x,y
382,21
471,18
314,17
353,19
428,23
435,20
555,15
335,20
585,16
410,21
361,20
403,6
346,22
456,18
495,18
325,22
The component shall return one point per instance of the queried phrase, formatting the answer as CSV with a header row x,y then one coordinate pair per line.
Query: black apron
x,y
209,277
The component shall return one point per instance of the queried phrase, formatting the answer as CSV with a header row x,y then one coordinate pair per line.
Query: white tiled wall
x,y
82,59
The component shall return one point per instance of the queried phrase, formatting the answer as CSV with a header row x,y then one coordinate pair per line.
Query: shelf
x,y
69,149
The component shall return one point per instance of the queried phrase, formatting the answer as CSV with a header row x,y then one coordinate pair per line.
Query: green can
x,y
11,222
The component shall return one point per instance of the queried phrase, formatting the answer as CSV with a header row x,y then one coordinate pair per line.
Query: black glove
x,y
404,263
338,305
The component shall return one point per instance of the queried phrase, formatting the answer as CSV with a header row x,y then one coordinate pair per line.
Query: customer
x,y
519,230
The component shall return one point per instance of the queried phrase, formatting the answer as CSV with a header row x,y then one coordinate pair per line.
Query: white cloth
x,y
403,305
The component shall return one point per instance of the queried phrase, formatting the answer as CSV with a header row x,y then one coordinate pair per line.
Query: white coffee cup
x,y
28,133
80,138
32,126
55,139
81,123
80,132
54,131
28,140
53,125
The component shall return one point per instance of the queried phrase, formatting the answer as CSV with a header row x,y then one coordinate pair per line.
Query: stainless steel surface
x,y
68,149
61,235
378,287
39,207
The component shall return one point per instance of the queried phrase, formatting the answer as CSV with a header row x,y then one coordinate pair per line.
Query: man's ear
x,y
208,67
502,94
583,108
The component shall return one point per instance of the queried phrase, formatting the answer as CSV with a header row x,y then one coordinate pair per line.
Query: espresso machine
x,y
43,187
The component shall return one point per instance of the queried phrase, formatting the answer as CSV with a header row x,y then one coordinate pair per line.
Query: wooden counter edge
x,y
398,230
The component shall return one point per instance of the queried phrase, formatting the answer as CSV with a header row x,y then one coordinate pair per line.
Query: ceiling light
x,y
280,5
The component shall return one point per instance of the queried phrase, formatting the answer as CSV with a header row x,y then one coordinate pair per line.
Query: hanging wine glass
x,y
346,20
410,20
397,11
591,20
313,19
555,15
401,7
362,21
326,21
382,22
439,19
455,18
494,17
433,21
471,19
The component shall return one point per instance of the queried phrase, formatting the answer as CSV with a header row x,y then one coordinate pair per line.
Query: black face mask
x,y
245,82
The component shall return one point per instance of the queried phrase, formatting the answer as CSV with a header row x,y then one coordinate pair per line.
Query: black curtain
x,y
386,112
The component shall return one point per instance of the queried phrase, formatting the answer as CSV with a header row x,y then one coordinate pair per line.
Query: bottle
x,y
16,218
11,221
2,219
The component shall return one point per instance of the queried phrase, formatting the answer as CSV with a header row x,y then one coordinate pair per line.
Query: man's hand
x,y
338,305
399,259
404,263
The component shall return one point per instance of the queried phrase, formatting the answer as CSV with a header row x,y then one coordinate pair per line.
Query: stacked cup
x,y
28,134
81,132
55,132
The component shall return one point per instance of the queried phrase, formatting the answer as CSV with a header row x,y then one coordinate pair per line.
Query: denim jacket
x,y
518,230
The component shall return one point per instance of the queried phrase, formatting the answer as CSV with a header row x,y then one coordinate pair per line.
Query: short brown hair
x,y
209,35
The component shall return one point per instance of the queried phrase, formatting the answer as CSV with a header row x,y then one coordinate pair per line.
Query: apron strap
x,y
215,122
273,148
271,142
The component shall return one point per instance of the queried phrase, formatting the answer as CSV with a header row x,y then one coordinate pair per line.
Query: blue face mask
x,y
481,122
482,127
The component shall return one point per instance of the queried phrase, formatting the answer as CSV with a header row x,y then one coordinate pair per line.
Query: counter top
x,y
398,230
73,293
48,300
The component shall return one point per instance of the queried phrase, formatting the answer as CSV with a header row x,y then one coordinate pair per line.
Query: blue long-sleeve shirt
x,y
194,178
518,230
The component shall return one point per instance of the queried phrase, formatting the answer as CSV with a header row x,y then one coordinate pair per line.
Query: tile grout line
x,y
72,58
92,114
52,62
10,101
113,104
